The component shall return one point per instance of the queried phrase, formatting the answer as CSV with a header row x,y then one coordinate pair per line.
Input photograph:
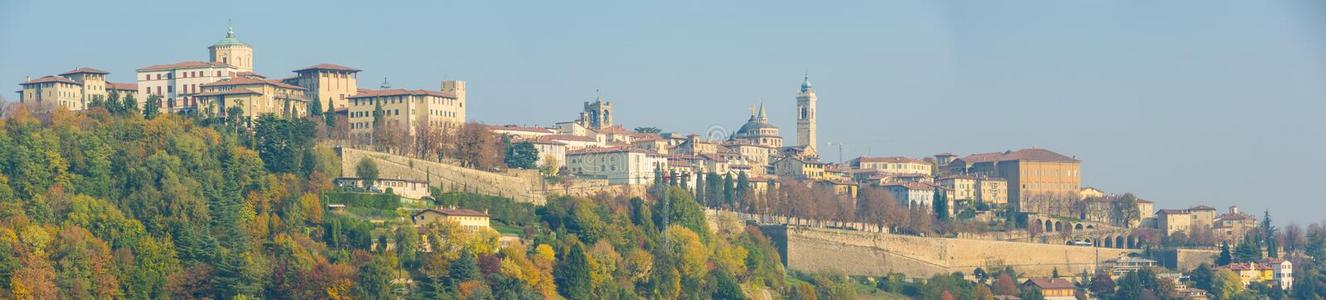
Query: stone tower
x,y
806,117
231,51
597,114
456,87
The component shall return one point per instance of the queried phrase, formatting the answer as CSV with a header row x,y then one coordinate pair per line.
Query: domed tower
x,y
806,117
232,52
759,131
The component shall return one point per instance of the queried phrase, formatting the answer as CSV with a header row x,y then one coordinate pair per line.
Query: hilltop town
x,y
409,159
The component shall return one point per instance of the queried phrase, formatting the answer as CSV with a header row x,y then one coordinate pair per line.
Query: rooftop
x,y
251,80
84,70
184,65
335,67
52,78
365,93
463,212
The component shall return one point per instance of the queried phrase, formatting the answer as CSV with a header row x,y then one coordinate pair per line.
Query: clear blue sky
x,y
1182,102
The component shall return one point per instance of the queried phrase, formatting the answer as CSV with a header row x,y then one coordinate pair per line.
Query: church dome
x,y
230,39
754,126
805,83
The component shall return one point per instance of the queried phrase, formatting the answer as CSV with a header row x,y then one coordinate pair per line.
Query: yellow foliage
x,y
687,246
730,257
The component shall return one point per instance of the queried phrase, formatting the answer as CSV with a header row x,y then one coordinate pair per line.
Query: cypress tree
x,y
572,274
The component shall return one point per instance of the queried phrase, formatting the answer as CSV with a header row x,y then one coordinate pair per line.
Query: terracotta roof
x,y
84,70
911,185
122,86
1202,207
228,92
596,150
1029,154
564,137
893,159
518,128
52,78
1051,283
1234,217
614,129
328,67
364,93
454,212
184,65
1171,211
250,80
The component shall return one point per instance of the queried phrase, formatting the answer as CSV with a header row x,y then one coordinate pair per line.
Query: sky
x,y
1182,102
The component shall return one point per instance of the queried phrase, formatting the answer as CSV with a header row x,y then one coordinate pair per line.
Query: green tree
x,y
1226,256
1268,231
1248,250
367,170
572,273
153,107
129,105
283,143
521,155
315,107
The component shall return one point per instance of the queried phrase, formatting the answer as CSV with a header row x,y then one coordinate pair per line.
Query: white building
x,y
619,165
893,165
912,194
413,189
177,83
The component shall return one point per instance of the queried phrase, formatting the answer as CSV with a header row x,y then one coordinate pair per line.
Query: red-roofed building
x,y
1039,180
893,165
1052,288
332,85
177,83
73,90
404,110
253,96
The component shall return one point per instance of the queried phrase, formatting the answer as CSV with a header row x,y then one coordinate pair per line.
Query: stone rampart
x,y
520,185
874,253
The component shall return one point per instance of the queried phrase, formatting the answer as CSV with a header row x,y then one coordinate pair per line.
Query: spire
x,y
805,82
385,84
762,116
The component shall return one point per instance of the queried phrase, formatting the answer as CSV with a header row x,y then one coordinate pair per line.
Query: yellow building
x,y
404,110
73,90
800,168
254,97
466,218
993,190
331,84
1052,288
1039,180
959,188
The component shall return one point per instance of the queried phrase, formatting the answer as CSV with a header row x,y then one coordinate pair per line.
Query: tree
x,y
1225,256
129,105
153,107
521,155
1101,283
1004,285
1202,277
572,273
282,143
367,170
1225,284
315,107
1268,231
1248,250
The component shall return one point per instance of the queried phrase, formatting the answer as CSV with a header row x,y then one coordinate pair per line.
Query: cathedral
x,y
758,131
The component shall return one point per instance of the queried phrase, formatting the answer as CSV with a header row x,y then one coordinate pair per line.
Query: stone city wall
x,y
875,254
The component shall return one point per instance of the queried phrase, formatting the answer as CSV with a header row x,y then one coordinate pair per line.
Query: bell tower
x,y
806,117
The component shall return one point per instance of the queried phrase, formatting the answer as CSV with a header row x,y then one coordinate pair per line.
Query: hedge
x,y
371,200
